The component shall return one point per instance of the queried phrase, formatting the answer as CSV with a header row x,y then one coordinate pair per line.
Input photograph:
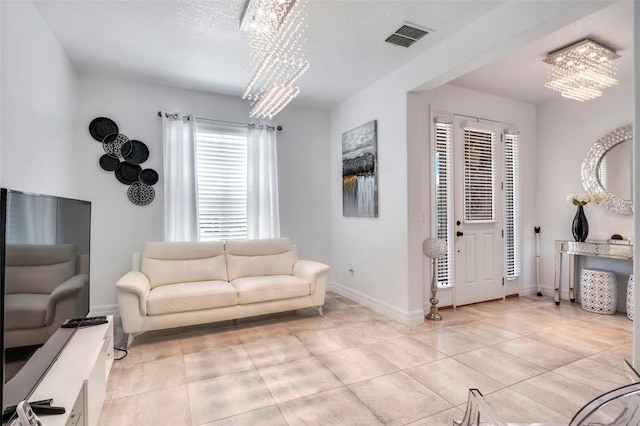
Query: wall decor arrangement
x,y
360,171
123,156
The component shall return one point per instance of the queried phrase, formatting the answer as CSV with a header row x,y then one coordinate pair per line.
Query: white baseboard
x,y
405,317
105,310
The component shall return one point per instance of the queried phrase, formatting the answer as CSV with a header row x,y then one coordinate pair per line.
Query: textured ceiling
x,y
196,44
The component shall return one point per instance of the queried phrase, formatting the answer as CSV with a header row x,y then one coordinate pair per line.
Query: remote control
x,y
84,322
44,410
42,402
88,322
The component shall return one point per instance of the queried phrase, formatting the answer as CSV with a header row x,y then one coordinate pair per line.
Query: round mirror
x,y
607,170
615,170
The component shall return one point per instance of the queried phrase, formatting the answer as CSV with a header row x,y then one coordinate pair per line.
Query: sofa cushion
x,y
38,268
25,311
179,262
253,258
274,287
191,296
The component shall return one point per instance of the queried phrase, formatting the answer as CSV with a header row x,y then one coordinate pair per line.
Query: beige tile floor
x,y
533,360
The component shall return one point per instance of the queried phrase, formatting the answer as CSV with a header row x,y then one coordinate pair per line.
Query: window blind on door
x,y
511,200
479,175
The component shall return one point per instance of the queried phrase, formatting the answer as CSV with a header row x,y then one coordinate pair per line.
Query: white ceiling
x,y
196,44
522,74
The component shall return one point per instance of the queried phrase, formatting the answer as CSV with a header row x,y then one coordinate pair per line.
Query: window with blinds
x,y
221,170
479,175
511,200
444,199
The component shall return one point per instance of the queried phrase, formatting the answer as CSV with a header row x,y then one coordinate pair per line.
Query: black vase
x,y
580,226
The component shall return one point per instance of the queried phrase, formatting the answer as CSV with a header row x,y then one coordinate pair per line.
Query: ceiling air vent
x,y
406,35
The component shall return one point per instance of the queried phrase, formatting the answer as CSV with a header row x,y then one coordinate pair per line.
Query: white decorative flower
x,y
583,199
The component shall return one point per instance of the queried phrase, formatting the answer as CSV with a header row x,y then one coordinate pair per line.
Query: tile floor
x,y
533,360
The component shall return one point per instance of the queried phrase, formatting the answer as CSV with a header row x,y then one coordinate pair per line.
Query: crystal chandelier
x,y
276,51
582,70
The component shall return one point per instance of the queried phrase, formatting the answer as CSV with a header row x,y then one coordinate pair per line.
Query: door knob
x,y
459,233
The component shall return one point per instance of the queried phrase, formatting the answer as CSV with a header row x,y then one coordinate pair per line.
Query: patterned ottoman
x,y
599,291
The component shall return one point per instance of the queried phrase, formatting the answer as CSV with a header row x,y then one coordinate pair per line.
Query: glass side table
x,y
572,249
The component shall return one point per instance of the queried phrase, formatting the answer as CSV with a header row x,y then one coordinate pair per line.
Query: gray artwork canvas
x,y
359,171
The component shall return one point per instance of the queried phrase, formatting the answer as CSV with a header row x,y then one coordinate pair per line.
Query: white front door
x,y
477,228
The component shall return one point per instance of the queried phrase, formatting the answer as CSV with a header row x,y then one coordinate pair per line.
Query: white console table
x,y
587,248
77,379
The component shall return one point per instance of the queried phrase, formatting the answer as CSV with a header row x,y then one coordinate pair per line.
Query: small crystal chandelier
x,y
582,70
276,50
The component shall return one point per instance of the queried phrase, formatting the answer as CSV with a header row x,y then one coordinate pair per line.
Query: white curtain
x,y
263,212
180,204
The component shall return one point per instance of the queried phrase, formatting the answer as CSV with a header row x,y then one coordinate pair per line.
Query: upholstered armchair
x,y
44,285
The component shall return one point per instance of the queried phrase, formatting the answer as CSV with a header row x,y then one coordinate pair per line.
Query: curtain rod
x,y
478,118
249,125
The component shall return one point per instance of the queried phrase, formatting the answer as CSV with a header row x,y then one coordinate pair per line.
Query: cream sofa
x,y
175,284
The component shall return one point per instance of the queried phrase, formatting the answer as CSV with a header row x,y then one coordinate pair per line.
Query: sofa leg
x,y
319,308
234,322
129,339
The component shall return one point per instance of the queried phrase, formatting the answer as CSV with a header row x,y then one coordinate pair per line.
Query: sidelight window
x,y
511,201
444,198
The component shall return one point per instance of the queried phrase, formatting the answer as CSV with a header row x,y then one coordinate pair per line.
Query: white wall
x,y
304,179
120,228
566,130
385,251
523,116
38,106
376,247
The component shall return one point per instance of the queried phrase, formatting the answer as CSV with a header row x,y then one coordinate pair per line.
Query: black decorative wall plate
x,y
101,127
141,194
138,153
116,145
109,163
128,173
149,177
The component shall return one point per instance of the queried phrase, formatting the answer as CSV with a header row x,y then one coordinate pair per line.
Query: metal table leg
x,y
572,278
556,293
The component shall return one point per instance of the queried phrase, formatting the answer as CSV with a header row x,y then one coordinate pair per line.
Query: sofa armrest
x,y
137,283
310,271
71,288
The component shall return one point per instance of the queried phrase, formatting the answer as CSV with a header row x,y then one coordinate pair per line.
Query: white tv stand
x,y
77,380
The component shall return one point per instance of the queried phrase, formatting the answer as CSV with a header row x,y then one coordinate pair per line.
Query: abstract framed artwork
x,y
360,171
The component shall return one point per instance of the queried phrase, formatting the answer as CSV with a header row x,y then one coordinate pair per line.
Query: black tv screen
x,y
44,276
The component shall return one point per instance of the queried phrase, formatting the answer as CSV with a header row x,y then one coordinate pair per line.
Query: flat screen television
x,y
44,278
